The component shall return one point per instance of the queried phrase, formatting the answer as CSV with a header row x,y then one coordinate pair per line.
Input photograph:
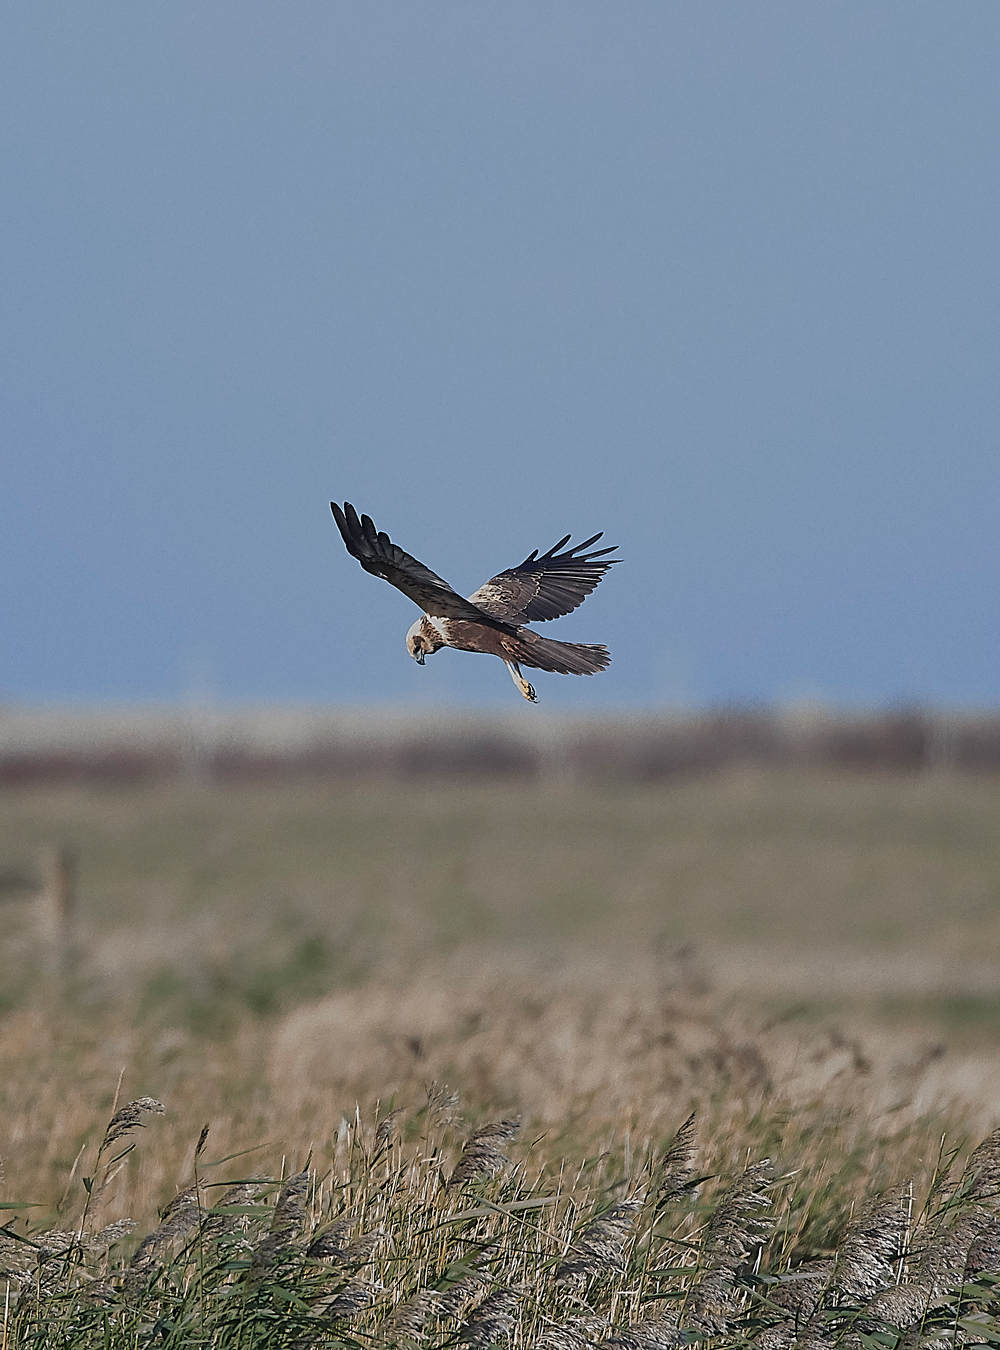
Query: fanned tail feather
x,y
561,658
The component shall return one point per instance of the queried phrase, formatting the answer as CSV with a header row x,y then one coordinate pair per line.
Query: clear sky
x,y
717,278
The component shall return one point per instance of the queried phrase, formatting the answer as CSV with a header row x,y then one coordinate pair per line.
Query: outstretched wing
x,y
377,554
545,587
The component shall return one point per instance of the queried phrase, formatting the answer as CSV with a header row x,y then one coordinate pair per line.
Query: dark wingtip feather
x,y
342,525
577,548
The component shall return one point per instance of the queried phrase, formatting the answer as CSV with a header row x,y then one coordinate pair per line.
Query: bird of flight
x,y
493,619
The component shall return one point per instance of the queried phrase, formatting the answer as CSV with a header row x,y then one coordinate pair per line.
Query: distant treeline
x,y
216,745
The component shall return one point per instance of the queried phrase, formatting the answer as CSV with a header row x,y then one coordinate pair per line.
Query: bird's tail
x,y
562,658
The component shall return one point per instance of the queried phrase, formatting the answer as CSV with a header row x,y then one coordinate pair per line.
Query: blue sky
x,y
717,278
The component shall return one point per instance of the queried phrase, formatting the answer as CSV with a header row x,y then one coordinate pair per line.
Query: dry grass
x,y
904,865
755,1220
581,1058
295,968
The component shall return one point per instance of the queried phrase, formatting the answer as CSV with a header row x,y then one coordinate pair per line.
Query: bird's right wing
x,y
378,555
545,587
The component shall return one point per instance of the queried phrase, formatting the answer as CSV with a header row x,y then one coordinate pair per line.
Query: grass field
x,y
283,892
810,963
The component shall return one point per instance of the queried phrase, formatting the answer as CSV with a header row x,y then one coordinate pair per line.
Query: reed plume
x,y
735,1229
673,1176
600,1247
483,1155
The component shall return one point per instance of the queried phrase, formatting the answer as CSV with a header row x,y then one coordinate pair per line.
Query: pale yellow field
x,y
806,948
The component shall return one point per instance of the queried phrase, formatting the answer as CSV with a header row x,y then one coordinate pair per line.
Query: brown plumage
x,y
493,619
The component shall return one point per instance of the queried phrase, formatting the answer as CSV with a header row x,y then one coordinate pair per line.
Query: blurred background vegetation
x,y
547,923
199,893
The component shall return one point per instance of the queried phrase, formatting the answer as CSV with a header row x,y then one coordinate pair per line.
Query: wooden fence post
x,y
54,911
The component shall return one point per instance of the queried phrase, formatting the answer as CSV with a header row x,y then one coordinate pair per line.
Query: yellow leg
x,y
515,674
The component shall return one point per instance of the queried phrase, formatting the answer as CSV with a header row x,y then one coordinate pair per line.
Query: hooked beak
x,y
420,658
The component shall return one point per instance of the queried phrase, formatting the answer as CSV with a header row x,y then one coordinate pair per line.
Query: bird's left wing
x,y
545,587
377,554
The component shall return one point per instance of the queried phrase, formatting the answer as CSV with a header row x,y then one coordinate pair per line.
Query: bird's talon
x,y
529,692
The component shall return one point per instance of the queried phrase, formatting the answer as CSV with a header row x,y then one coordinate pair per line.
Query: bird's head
x,y
422,640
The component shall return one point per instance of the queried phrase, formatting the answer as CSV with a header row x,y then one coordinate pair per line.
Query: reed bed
x,y
223,1118
414,1229
616,1168
581,1055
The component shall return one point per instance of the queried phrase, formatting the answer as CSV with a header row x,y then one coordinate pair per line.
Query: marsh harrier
x,y
493,619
